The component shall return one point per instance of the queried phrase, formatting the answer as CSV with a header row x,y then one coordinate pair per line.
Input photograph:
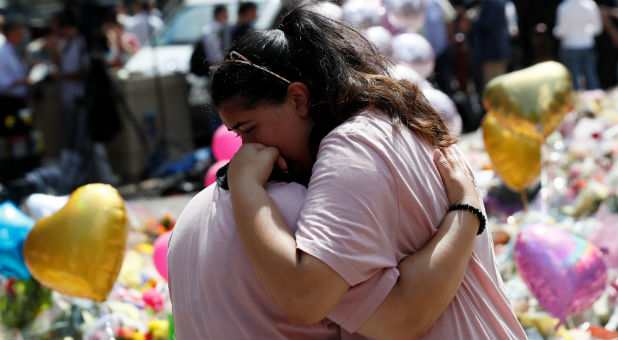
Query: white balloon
x,y
438,100
42,205
363,13
414,50
381,38
407,14
445,107
402,71
329,10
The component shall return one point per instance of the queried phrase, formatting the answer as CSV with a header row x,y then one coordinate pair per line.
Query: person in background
x,y
607,44
13,69
214,36
154,10
439,30
15,119
577,23
490,41
121,44
44,44
247,11
73,69
143,24
2,37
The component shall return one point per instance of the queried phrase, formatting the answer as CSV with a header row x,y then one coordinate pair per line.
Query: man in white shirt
x,y
15,120
577,23
13,71
143,24
214,36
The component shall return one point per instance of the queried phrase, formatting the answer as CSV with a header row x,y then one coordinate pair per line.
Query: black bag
x,y
199,63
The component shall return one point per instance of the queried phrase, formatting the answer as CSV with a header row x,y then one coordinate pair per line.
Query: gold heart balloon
x,y
515,157
531,102
78,251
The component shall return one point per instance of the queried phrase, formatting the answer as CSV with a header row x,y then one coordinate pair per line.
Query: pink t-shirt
x,y
215,291
376,196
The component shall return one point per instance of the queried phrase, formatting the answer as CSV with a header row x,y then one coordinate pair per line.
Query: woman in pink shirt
x,y
313,99
216,294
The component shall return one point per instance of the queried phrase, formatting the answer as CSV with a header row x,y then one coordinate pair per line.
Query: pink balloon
x,y
159,256
211,174
362,14
225,143
565,273
381,38
406,14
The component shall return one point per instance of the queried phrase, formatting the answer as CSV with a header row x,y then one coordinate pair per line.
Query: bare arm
x,y
430,278
307,289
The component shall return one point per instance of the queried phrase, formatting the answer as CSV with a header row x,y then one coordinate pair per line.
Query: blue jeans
x,y
581,62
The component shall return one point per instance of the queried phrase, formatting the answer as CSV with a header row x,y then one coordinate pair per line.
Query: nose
x,y
248,139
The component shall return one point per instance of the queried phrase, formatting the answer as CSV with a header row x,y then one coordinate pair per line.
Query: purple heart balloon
x,y
565,273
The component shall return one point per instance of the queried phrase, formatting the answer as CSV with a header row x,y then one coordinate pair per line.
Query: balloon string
x,y
544,178
524,200
570,322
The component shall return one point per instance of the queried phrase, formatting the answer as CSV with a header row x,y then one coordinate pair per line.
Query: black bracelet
x,y
473,210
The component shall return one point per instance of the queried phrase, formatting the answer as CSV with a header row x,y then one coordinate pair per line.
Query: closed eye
x,y
249,130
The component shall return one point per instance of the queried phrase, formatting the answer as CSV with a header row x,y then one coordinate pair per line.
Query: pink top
x,y
375,197
215,291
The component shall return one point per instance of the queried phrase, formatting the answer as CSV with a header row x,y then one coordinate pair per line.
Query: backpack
x,y
199,64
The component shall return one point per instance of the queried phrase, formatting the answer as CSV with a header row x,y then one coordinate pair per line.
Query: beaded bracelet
x,y
473,210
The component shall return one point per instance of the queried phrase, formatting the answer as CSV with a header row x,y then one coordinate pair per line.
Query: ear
x,y
298,95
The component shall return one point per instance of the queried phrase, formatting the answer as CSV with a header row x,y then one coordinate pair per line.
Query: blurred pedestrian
x,y
607,44
154,10
577,23
490,41
13,69
247,12
16,144
74,64
439,30
214,36
2,37
121,44
143,24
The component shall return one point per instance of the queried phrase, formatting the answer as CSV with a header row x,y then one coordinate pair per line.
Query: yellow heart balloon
x,y
78,251
515,157
531,102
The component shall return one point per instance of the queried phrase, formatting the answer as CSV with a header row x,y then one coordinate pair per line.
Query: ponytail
x,y
342,70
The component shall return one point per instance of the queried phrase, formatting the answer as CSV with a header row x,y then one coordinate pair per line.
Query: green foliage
x,y
21,301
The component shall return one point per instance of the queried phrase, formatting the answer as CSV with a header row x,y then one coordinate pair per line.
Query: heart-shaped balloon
x,y
159,255
78,251
565,273
531,101
515,157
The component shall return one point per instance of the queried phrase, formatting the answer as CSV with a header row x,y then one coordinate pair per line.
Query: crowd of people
x,y
72,49
472,41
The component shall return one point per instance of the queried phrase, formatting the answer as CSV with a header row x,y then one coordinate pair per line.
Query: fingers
x,y
457,161
444,166
282,164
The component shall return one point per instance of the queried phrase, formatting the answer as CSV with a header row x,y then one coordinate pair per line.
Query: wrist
x,y
242,184
479,214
